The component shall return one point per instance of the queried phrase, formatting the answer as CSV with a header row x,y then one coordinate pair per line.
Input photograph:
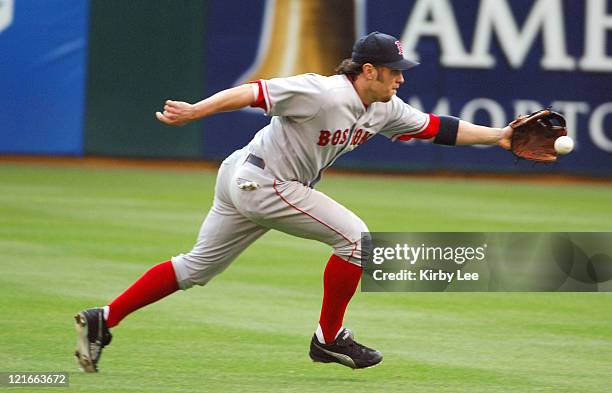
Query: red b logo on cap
x,y
399,47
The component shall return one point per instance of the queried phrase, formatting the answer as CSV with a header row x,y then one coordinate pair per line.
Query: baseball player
x,y
270,184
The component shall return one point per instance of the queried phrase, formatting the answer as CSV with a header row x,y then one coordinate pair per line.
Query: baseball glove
x,y
533,136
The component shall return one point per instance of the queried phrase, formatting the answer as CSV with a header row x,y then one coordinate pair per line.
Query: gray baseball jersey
x,y
269,183
316,119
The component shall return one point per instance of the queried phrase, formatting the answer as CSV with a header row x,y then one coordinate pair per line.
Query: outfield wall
x,y
142,51
91,83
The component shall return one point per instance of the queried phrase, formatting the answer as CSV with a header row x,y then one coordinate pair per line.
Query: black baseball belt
x,y
257,161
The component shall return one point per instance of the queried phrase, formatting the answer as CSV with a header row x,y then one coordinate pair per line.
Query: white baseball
x,y
564,145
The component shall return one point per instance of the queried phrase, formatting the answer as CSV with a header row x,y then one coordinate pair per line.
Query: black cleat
x,y
93,335
344,350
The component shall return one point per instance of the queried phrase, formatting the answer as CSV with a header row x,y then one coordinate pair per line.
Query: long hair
x,y
349,68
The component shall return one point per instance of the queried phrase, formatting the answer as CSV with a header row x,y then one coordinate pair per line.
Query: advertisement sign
x,y
6,14
43,47
485,61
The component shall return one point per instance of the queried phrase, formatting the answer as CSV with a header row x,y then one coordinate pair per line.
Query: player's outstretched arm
x,y
178,113
473,134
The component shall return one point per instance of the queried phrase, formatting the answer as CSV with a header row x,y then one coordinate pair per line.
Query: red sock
x,y
339,284
157,282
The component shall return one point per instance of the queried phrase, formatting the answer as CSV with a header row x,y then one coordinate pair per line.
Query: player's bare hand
x,y
176,113
506,138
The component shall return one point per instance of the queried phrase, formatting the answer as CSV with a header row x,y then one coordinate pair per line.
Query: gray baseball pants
x,y
248,202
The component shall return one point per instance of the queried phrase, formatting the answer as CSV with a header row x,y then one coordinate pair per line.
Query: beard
x,y
387,98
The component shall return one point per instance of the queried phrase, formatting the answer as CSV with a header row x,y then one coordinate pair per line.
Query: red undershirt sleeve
x,y
430,131
261,101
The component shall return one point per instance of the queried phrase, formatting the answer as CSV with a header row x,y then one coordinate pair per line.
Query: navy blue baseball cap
x,y
381,49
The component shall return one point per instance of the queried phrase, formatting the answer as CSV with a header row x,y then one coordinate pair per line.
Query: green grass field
x,y
73,238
